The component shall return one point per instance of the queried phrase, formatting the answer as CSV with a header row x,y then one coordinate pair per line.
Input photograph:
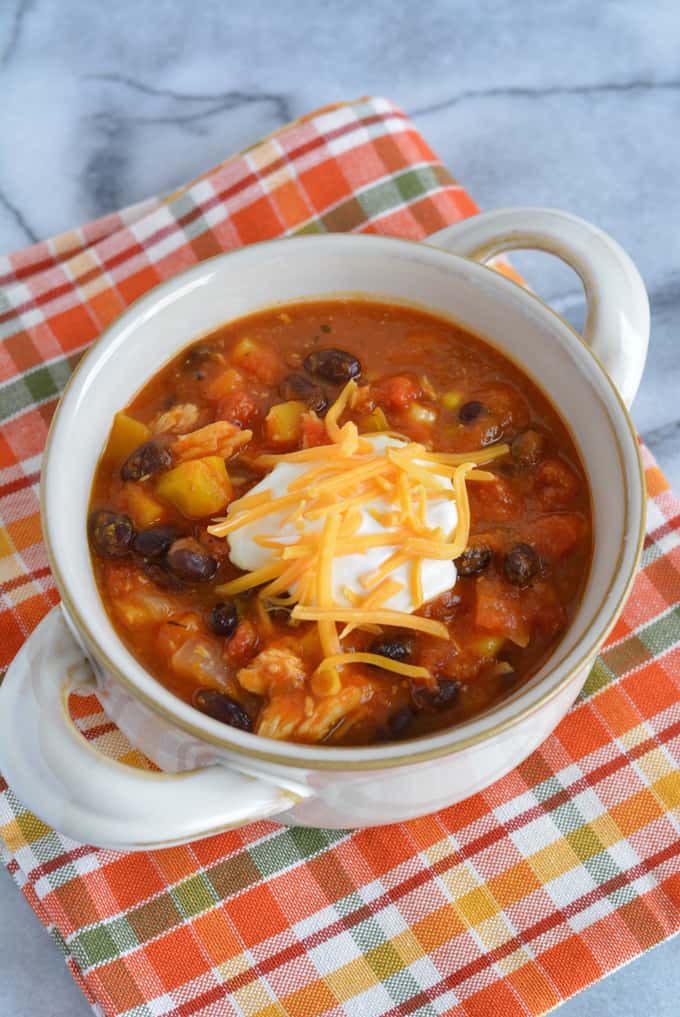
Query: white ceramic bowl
x,y
216,776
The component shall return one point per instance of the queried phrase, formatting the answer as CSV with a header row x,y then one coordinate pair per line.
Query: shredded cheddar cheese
x,y
337,480
379,616
376,598
408,670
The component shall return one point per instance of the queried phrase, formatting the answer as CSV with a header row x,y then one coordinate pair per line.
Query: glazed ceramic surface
x,y
216,776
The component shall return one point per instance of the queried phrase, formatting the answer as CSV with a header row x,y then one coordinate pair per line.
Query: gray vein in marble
x,y
667,432
224,102
104,171
20,12
545,91
18,218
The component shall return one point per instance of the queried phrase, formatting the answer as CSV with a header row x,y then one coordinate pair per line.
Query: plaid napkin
x,y
505,904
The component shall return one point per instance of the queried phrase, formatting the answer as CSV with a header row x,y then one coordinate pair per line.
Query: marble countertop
x,y
575,106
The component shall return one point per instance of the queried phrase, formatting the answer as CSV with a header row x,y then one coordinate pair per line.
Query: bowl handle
x,y
617,324
68,783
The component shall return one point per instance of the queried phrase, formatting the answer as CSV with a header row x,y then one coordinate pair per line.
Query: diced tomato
x,y
397,392
556,484
243,644
542,610
238,408
494,501
498,609
313,431
555,536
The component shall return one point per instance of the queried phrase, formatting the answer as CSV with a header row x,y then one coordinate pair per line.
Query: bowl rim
x,y
246,745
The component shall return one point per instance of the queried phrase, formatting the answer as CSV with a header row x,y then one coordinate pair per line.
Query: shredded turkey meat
x,y
177,420
217,439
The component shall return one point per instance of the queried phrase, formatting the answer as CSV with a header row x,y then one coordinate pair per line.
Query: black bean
x,y
400,721
189,562
528,448
473,560
223,618
296,386
149,458
154,542
444,696
111,533
332,364
392,647
223,708
492,434
521,565
470,411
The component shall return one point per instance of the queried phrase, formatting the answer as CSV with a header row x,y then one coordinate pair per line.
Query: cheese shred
x,y
338,478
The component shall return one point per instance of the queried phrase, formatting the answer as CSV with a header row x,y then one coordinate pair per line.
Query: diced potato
x,y
452,400
223,383
374,421
198,487
142,506
284,421
127,434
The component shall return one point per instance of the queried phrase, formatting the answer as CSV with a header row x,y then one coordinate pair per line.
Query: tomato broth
x,y
212,424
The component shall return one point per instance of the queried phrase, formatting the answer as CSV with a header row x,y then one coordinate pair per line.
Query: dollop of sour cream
x,y
348,570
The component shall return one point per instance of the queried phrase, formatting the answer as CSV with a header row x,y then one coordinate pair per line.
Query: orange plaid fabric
x,y
504,904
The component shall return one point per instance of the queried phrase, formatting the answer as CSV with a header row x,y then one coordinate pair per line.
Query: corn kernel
x,y
486,646
452,400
